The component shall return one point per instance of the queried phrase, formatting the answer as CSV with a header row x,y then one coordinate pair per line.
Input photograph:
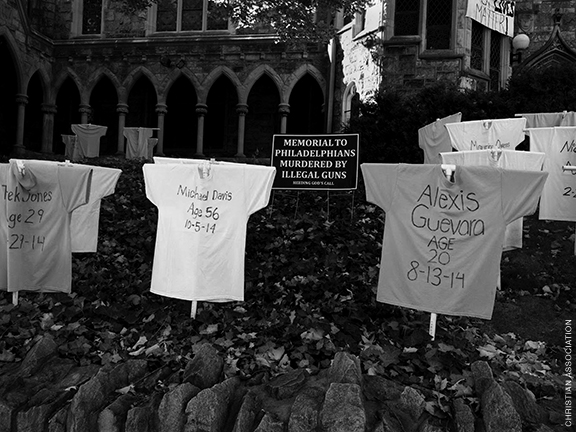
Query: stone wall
x,y
48,393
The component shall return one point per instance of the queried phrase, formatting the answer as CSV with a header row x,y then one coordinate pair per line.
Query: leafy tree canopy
x,y
301,20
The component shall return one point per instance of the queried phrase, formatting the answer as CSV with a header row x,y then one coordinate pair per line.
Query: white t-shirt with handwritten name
x,y
507,159
558,200
443,240
38,203
484,134
202,223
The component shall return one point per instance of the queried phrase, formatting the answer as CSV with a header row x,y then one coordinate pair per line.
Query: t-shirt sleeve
x,y
104,182
153,185
380,181
75,183
521,192
258,182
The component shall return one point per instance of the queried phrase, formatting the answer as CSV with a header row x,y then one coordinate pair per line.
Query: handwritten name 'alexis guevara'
x,y
458,204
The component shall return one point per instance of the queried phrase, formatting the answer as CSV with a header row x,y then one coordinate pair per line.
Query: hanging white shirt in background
x,y
506,159
88,143
138,142
433,138
70,143
483,134
558,200
538,120
203,211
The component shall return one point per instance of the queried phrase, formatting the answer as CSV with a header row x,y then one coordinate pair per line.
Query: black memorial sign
x,y
315,162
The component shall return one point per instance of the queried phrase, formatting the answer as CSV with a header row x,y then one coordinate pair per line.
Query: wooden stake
x,y
193,310
432,328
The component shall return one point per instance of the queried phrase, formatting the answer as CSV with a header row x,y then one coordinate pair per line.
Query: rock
x,y
498,411
270,424
287,385
412,402
35,418
113,417
483,377
171,412
36,357
91,396
345,369
377,388
343,410
58,421
208,410
249,411
304,413
463,417
205,369
138,420
144,418
427,427
57,377
385,424
7,415
525,405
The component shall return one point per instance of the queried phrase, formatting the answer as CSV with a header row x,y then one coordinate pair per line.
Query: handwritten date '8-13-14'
x,y
435,275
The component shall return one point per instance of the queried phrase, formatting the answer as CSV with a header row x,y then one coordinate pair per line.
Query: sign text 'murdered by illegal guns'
x,y
315,162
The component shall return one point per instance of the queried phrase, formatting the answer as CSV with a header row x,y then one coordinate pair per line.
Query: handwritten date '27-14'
x,y
22,241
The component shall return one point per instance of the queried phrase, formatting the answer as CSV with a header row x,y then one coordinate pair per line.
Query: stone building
x,y
218,92
415,42
210,90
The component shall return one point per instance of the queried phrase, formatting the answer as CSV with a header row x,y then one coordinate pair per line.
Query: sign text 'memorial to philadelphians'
x,y
497,15
315,162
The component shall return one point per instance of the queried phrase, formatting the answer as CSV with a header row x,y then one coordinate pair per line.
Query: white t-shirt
x,y
37,203
86,219
202,222
169,160
137,142
538,120
507,159
483,134
558,200
443,240
433,138
88,143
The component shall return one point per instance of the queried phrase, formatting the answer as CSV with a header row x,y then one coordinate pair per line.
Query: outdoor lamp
x,y
519,44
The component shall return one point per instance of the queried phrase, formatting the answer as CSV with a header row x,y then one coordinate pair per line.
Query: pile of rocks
x,y
48,393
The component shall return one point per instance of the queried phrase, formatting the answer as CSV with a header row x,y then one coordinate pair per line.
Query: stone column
x,y
284,110
241,110
201,110
161,110
21,101
85,112
48,111
122,110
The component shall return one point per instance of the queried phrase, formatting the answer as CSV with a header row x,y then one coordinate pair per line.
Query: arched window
x,y
349,104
